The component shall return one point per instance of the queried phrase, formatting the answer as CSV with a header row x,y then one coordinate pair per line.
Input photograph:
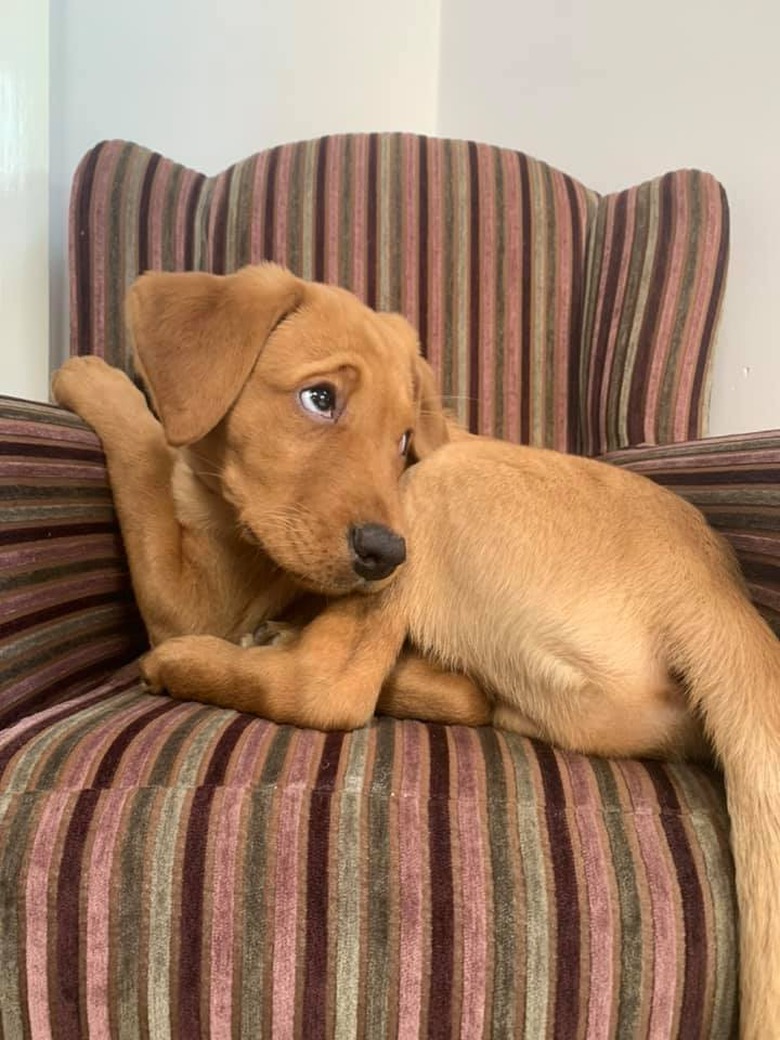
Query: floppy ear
x,y
197,336
433,427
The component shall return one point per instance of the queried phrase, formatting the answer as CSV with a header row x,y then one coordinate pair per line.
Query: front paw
x,y
186,667
94,390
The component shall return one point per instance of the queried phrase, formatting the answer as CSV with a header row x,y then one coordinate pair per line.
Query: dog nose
x,y
377,551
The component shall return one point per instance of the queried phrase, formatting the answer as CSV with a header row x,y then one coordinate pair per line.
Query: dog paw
x,y
188,667
272,633
95,391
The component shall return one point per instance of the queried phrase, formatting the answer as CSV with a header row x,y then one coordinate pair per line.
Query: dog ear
x,y
197,336
433,427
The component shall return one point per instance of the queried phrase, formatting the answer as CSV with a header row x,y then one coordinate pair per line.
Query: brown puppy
x,y
598,610
286,417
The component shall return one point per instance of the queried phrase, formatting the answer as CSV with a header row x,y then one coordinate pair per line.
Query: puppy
x,y
594,608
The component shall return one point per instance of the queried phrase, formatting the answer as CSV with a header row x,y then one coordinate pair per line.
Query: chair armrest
x,y
67,613
735,482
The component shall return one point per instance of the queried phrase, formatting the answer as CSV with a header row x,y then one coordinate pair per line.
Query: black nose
x,y
377,551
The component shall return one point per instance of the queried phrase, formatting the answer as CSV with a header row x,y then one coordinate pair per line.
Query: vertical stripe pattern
x,y
277,882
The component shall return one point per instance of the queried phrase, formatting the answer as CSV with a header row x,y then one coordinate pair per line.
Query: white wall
x,y
208,83
614,93
24,158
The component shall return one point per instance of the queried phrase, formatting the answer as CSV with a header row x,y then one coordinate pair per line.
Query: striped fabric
x,y
549,314
735,481
66,609
176,870
656,266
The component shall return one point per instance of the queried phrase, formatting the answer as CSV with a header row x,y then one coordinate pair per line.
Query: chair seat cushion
x,y
173,869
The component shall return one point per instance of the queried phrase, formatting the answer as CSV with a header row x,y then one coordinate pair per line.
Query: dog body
x,y
591,607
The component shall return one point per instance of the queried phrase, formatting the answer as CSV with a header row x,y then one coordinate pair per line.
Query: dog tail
x,y
731,660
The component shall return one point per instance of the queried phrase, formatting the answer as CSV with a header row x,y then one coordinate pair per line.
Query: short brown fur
x,y
597,610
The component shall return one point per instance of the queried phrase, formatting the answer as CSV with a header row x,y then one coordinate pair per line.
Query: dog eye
x,y
403,444
319,400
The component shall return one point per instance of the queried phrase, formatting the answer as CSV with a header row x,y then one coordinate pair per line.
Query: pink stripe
x,y
32,430
435,344
107,823
283,168
62,551
187,182
410,204
333,202
162,176
486,181
75,192
474,888
247,763
564,246
680,218
41,869
411,827
223,916
257,209
706,264
288,862
598,870
360,215
662,901
513,296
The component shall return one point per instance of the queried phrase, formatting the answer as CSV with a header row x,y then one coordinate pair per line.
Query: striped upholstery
x,y
735,481
66,610
178,870
550,314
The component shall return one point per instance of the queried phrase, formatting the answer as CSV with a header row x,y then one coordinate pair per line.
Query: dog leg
x,y
328,678
419,689
165,558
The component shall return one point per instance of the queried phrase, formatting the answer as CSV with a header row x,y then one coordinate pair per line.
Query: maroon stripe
x,y
422,233
474,374
270,203
607,311
219,251
371,219
638,393
573,419
696,940
709,325
45,532
109,764
189,221
319,212
315,990
144,257
567,910
83,236
41,449
69,927
719,477
191,913
58,610
440,856
525,310
220,757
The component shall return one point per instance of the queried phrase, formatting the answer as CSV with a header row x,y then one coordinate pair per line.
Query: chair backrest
x,y
531,293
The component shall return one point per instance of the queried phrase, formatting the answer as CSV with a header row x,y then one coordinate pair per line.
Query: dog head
x,y
306,404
